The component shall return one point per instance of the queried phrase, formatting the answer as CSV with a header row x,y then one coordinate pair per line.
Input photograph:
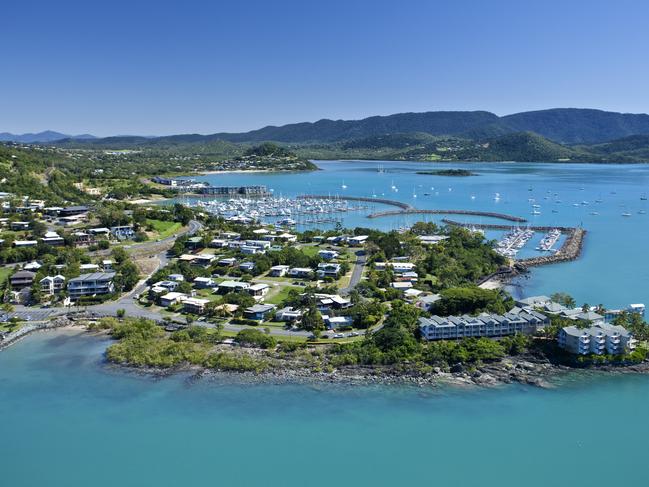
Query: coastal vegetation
x,y
142,343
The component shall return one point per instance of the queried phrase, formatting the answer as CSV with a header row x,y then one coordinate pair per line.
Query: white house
x,y
357,240
328,269
89,267
52,284
170,299
204,260
203,282
300,272
232,286
258,291
279,270
195,305
328,254
288,314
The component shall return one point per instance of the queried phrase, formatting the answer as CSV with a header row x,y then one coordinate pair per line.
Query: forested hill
x,y
575,126
433,123
567,126
562,125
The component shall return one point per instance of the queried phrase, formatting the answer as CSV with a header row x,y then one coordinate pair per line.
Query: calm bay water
x,y
68,419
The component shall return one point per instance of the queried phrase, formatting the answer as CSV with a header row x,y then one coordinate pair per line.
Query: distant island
x,y
448,172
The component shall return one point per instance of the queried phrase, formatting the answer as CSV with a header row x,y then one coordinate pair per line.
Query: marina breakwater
x,y
570,250
407,209
381,201
415,211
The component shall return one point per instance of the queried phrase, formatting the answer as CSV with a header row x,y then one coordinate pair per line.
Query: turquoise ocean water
x,y
68,419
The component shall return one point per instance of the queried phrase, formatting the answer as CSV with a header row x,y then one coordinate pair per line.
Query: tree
x,y
254,338
119,255
120,313
242,299
38,228
127,276
312,319
471,300
564,298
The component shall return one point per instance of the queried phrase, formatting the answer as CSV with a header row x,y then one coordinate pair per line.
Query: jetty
x,y
570,250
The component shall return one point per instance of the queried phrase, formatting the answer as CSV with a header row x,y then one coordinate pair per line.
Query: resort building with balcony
x,y
96,283
484,325
599,339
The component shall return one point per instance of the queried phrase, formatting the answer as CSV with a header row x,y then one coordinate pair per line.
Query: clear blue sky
x,y
158,67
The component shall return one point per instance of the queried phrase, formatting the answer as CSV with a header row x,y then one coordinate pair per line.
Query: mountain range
x,y
561,125
574,134
46,136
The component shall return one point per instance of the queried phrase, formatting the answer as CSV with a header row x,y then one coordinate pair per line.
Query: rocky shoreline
x,y
513,370
526,370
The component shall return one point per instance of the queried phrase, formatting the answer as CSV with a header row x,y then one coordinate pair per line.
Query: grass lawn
x,y
164,229
344,280
277,279
310,250
9,327
207,294
281,295
5,272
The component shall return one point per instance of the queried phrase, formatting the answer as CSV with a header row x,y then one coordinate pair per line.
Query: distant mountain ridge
x,y
433,123
569,126
45,136
562,125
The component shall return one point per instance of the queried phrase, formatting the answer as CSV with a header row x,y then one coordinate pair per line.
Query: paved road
x,y
357,272
127,301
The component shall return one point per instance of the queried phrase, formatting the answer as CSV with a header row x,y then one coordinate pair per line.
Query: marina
x,y
570,250
609,189
549,240
280,210
513,241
